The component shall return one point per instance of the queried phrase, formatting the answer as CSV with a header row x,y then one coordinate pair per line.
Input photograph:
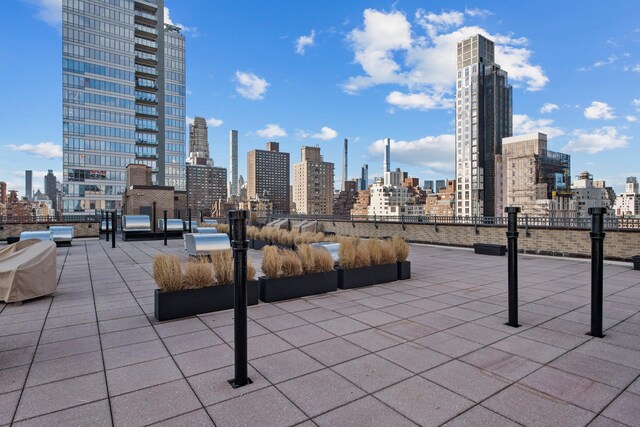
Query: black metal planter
x,y
636,262
404,270
177,304
365,276
259,244
283,288
489,249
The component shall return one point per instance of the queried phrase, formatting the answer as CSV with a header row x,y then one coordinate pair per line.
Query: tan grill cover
x,y
27,270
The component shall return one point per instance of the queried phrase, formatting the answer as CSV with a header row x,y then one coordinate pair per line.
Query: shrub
x,y
401,248
251,271
222,266
387,252
291,265
271,262
222,228
167,273
374,246
347,252
363,258
306,258
322,260
198,274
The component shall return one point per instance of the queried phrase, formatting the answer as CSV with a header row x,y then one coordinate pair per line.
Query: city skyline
x,y
577,99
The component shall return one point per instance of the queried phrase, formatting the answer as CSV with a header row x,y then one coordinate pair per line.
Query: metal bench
x,y
103,225
62,234
210,221
136,223
333,248
207,230
194,226
40,235
202,244
172,225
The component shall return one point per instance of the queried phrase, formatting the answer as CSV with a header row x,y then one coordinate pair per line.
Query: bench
x,y
489,249
209,221
172,225
62,234
194,226
202,244
207,230
45,235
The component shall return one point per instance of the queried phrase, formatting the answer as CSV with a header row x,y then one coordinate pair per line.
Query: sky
x,y
314,73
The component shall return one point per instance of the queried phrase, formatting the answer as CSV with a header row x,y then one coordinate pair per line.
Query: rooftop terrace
x,y
429,351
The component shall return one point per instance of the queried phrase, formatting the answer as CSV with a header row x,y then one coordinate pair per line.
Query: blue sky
x,y
307,73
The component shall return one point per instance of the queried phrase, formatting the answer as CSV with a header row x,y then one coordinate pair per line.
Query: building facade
x,y
628,203
442,203
51,188
386,164
123,100
313,183
199,137
483,118
268,174
28,185
3,192
587,195
206,184
529,175
364,177
234,189
391,201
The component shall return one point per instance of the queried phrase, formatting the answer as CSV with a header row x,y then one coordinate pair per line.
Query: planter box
x,y
284,288
636,262
404,270
174,305
365,276
259,244
489,249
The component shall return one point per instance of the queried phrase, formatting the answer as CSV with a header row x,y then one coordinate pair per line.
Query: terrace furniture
x,y
172,225
27,270
62,234
202,244
39,235
194,226
489,249
137,227
636,262
209,221
207,230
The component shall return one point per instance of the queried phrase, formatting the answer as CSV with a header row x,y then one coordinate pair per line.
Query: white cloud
x,y
303,42
482,13
610,60
391,51
636,103
325,134
523,125
548,107
213,122
271,131
50,11
250,86
189,120
435,152
631,119
599,110
596,140
184,28
48,150
420,101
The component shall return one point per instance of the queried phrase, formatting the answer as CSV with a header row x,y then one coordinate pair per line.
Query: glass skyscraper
x,y
483,118
123,99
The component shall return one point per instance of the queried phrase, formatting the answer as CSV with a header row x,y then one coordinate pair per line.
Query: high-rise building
x,y
529,176
386,166
442,203
123,99
313,183
28,185
483,118
428,186
364,177
440,183
268,176
50,188
345,167
199,137
589,195
395,178
233,162
206,184
627,203
3,192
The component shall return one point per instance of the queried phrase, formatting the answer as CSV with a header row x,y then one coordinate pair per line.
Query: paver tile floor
x,y
429,351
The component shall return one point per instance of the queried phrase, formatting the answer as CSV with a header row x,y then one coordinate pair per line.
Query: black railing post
x,y
154,217
189,213
107,226
239,244
114,223
512,236
164,229
597,270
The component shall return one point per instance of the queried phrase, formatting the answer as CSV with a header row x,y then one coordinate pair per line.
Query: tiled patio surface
x,y
429,351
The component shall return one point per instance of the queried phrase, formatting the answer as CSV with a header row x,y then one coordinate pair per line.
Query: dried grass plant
x,y
306,258
271,262
347,252
222,228
387,252
222,266
251,272
322,260
401,248
198,273
167,273
374,246
363,258
291,265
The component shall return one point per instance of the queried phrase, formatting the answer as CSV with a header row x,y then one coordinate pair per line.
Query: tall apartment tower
x,y
28,184
364,177
483,118
123,98
345,167
3,192
313,183
386,167
268,176
50,188
199,137
233,162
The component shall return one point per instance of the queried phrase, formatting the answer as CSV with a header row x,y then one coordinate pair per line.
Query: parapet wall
x,y
80,229
618,244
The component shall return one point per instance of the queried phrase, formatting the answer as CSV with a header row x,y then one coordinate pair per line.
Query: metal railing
x,y
35,219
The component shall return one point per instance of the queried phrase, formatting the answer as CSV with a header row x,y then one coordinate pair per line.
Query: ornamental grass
x,y
167,273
